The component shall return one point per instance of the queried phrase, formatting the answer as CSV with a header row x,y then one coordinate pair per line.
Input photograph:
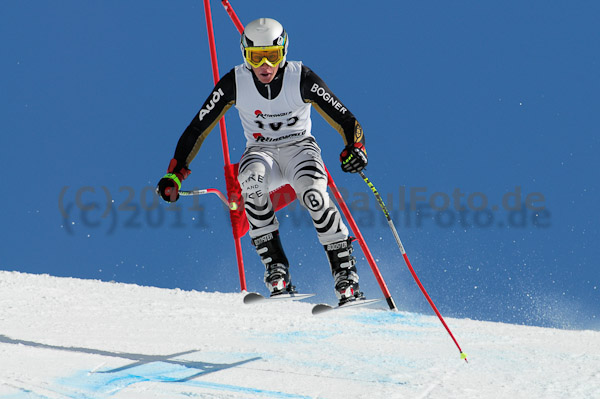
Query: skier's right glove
x,y
168,187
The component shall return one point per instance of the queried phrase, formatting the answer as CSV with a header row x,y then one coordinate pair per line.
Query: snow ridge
x,y
71,338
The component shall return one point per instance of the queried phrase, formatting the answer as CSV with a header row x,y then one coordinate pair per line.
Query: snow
x,y
71,338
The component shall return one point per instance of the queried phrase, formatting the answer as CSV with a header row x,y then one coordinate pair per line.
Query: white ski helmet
x,y
264,32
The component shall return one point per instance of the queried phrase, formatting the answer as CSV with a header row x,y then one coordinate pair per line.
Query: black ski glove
x,y
354,158
168,187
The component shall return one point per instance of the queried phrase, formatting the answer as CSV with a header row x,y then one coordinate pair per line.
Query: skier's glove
x,y
353,158
168,187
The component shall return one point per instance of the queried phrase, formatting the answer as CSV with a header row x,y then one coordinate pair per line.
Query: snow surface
x,y
71,338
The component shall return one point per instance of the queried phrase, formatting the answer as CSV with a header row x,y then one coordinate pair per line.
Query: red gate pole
x,y
236,21
215,70
361,241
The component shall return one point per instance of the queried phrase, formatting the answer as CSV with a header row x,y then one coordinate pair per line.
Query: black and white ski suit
x,y
280,148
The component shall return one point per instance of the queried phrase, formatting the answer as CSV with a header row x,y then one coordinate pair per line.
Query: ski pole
x,y
231,205
410,268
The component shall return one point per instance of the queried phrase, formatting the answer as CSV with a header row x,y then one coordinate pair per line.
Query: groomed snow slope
x,y
70,338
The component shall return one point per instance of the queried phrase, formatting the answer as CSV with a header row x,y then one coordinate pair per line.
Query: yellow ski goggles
x,y
271,55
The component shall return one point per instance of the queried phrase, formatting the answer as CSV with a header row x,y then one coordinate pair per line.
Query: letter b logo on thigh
x,y
313,200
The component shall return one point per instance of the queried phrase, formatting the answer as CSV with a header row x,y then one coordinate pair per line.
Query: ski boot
x,y
277,276
343,270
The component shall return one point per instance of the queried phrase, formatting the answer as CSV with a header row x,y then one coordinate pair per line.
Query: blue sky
x,y
481,97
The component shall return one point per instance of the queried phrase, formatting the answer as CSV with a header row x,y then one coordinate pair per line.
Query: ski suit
x,y
280,148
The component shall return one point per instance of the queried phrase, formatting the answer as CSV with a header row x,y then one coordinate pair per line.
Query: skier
x,y
274,97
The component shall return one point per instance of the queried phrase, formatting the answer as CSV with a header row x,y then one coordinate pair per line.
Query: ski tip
x,y
252,297
321,308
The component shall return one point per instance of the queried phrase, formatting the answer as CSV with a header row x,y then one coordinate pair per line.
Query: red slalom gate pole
x,y
346,211
215,70
236,21
410,268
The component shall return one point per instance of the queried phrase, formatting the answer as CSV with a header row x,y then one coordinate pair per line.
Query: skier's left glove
x,y
354,158
168,187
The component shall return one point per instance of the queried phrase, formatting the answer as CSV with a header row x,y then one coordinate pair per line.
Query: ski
x,y
323,307
254,297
